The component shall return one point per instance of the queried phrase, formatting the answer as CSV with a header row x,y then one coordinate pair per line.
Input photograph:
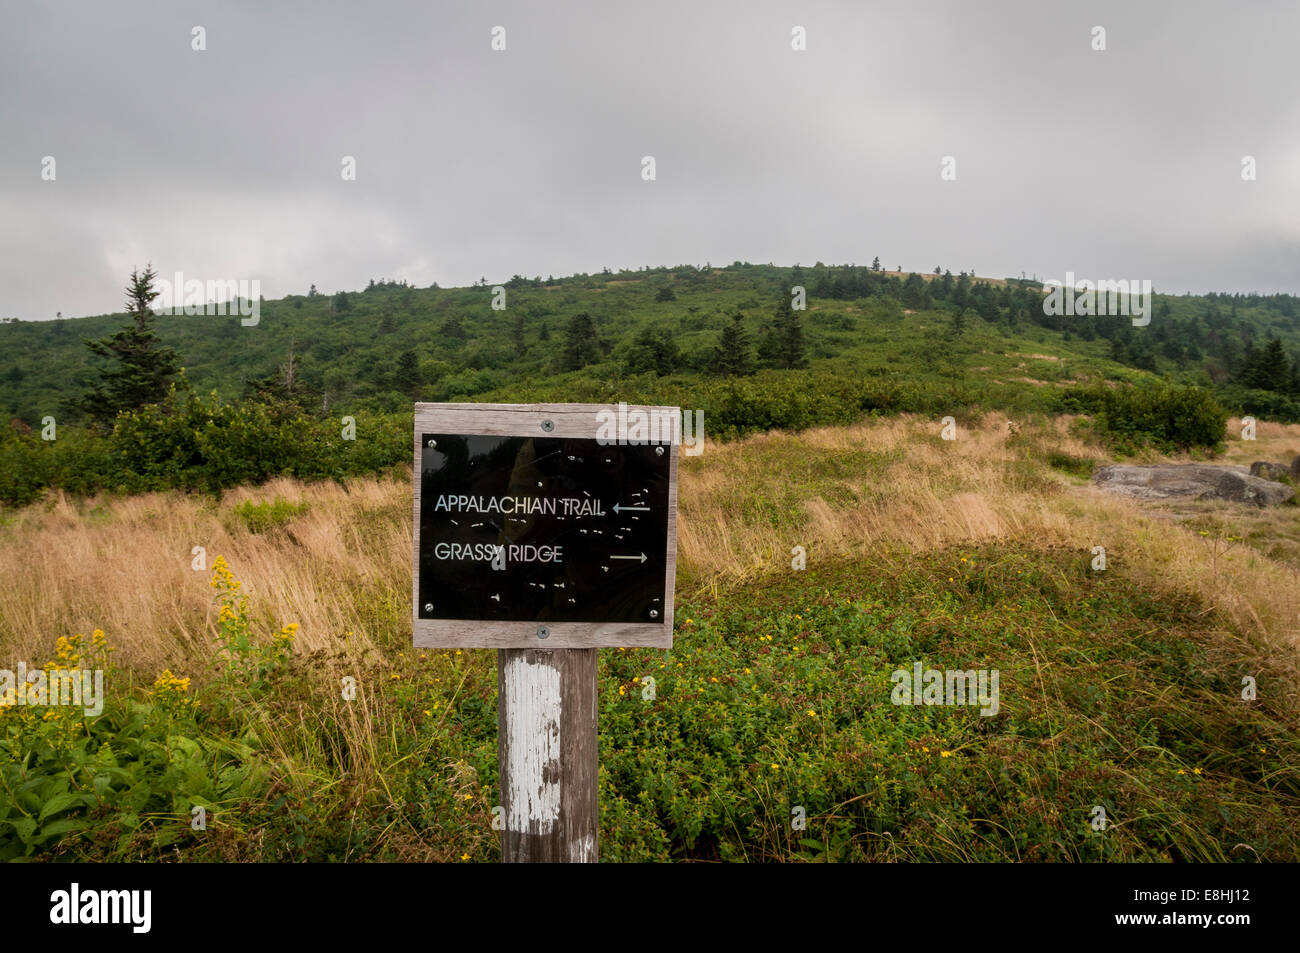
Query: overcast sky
x,y
226,163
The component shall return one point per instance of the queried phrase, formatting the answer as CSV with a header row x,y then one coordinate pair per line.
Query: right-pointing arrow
x,y
643,557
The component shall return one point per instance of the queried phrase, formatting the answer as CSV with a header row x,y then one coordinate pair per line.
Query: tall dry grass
x,y
895,484
343,566
125,565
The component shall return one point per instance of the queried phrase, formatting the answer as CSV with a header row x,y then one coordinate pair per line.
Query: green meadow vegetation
x,y
776,698
284,449
276,398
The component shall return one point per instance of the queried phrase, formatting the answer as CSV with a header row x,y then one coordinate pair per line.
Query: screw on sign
x,y
545,532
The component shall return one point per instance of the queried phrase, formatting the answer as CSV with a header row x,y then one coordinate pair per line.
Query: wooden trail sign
x,y
545,531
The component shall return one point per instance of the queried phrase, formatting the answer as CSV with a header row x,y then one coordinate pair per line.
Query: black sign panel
x,y
542,529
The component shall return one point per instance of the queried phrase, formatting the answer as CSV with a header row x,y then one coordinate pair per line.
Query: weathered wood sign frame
x,y
544,421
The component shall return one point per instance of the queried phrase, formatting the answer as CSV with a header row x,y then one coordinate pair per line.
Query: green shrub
x,y
194,443
1068,463
260,517
1263,403
1161,416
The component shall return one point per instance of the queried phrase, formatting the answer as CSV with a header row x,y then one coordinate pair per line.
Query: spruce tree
x,y
958,323
580,345
732,356
145,369
1272,369
407,378
789,336
651,352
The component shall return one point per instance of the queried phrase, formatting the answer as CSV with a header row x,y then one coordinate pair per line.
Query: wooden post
x,y
546,744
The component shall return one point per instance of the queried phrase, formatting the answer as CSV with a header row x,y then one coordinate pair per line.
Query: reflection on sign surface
x,y
542,529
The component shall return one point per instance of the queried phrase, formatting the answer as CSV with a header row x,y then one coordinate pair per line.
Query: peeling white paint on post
x,y
546,745
583,850
530,691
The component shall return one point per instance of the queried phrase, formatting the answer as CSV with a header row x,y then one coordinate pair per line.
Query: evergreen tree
x,y
987,304
788,336
915,296
407,378
1270,369
1140,354
580,345
768,350
961,293
958,323
732,356
145,369
284,390
651,352
341,302
945,286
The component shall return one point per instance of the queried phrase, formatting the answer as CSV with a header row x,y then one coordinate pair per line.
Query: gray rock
x,y
1192,481
1269,471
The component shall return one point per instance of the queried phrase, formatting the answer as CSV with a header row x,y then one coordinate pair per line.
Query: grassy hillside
x,y
1119,688
347,347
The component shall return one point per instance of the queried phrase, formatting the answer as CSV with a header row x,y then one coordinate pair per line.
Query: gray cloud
x,y
473,163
